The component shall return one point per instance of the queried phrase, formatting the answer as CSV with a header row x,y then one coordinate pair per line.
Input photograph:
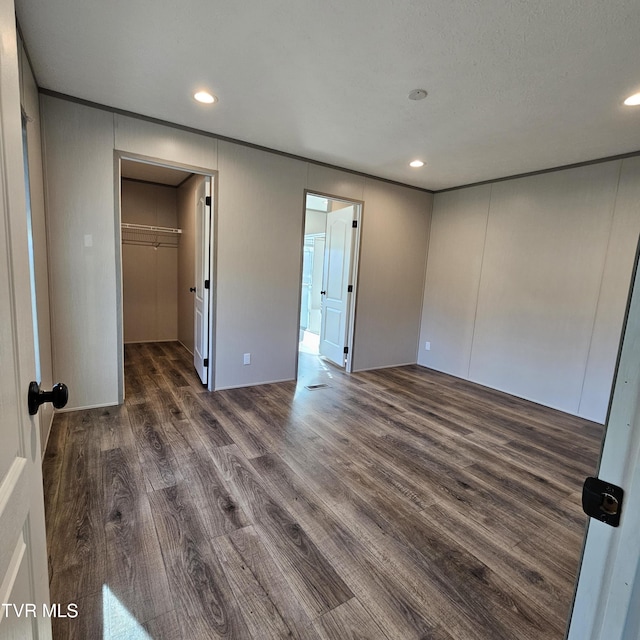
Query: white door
x,y
203,280
336,276
23,558
607,602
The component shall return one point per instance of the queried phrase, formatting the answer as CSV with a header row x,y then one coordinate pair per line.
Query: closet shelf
x,y
149,235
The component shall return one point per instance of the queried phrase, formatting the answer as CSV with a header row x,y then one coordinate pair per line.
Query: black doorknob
x,y
323,293
192,289
58,396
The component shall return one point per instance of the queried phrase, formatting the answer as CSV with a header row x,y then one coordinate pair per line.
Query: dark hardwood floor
x,y
392,504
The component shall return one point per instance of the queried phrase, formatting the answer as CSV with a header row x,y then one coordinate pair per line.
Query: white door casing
x,y
202,271
315,304
334,327
608,589
23,559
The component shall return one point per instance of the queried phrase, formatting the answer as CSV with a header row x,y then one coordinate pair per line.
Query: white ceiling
x,y
514,85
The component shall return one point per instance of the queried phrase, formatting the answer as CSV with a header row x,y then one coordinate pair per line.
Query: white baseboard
x,y
253,384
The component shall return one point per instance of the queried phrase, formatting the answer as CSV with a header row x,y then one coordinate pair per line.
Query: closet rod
x,y
148,227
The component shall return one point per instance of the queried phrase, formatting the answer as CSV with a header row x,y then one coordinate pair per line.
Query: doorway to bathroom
x,y
329,278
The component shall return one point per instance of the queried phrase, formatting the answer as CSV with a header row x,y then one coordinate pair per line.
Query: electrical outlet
x,y
247,358
427,346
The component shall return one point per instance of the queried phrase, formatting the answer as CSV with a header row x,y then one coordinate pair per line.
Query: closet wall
x,y
149,274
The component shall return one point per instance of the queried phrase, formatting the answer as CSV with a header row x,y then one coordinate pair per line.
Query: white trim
x,y
253,384
212,174
390,366
358,207
11,574
150,341
508,393
14,509
181,343
89,406
46,442
353,277
211,190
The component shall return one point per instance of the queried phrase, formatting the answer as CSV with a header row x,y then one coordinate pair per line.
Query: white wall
x,y
395,236
150,274
315,222
260,205
456,248
79,192
260,217
527,282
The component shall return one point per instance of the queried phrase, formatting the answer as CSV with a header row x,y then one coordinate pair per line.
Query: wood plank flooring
x,y
391,504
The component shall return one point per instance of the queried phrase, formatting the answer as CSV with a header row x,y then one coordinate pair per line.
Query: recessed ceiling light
x,y
416,163
417,94
633,101
205,97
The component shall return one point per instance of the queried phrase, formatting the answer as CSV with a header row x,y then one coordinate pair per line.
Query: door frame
x,y
202,274
118,156
355,269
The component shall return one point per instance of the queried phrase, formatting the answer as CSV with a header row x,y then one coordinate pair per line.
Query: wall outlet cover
x,y
427,346
247,358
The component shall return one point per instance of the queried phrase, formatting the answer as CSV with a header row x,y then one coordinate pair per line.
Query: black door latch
x,y
602,500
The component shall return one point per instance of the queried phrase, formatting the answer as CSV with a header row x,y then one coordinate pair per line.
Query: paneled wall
x,y
150,274
260,204
82,234
260,217
527,282
395,233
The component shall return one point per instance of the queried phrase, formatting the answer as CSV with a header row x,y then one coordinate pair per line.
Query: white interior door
x,y
23,559
607,602
203,280
334,326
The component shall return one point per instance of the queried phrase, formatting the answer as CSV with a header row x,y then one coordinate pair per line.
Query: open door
x,y
335,285
203,280
23,559
608,590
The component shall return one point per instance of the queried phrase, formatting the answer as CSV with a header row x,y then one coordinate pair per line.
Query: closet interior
x,y
158,252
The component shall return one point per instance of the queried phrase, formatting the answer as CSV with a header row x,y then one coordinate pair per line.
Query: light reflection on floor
x,y
117,622
313,370
310,343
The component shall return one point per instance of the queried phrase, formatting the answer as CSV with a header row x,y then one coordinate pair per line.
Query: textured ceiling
x,y
514,85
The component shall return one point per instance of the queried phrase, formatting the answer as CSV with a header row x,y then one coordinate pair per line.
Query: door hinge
x,y
602,500
207,201
350,289
354,224
346,349
205,362
206,284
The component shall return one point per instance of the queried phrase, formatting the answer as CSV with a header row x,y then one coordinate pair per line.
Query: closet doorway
x,y
166,229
